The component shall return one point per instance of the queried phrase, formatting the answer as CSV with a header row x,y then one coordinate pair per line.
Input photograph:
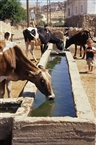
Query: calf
x,y
80,39
42,35
15,66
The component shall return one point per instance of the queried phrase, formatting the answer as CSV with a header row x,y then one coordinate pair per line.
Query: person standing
x,y
8,36
46,28
90,50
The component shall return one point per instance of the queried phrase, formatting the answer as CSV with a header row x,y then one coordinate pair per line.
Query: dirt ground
x,y
88,80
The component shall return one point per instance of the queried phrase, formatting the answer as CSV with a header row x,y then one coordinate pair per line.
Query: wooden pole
x,y
37,12
47,11
50,11
27,7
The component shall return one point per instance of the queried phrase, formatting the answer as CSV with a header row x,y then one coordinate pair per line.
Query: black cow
x,y
44,35
80,39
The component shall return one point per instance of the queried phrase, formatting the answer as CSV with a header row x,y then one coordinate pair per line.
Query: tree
x,y
12,9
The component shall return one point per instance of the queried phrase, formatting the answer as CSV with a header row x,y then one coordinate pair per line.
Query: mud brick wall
x,y
81,21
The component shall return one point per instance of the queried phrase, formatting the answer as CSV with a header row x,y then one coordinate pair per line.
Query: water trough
x,y
63,104
79,130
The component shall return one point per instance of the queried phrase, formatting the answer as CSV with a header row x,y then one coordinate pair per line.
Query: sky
x,y
41,2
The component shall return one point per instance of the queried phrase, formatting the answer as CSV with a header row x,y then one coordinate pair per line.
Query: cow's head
x,y
42,80
60,45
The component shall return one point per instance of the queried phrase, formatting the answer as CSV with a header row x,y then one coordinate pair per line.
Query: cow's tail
x,y
91,37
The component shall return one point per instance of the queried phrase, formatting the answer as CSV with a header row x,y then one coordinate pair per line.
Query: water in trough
x,y
63,104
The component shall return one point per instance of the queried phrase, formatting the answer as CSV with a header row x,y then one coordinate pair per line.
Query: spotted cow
x,y
44,36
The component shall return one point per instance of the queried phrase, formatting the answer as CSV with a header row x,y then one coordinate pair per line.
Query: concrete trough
x,y
67,130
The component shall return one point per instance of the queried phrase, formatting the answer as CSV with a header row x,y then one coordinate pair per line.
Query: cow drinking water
x,y
80,39
43,36
15,66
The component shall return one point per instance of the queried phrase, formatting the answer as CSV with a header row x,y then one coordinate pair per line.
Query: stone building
x,y
80,13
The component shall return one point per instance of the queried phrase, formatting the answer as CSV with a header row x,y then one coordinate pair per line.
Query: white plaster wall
x,y
75,6
91,7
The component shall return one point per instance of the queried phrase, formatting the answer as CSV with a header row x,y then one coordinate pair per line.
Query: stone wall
x,y
84,21
53,131
4,27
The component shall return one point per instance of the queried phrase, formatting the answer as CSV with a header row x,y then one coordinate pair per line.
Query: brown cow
x,y
15,66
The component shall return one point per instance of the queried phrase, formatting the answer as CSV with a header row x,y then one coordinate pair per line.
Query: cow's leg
x,y
2,88
84,52
32,50
8,87
27,45
43,49
75,52
80,51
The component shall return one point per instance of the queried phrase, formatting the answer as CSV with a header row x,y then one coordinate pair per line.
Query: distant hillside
x,y
55,16
24,5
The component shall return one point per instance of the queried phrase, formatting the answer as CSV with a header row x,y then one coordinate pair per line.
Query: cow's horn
x,y
40,66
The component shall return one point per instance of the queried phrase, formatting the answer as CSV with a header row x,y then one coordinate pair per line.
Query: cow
x,y
14,66
42,35
80,39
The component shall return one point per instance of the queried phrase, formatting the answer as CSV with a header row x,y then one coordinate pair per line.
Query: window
x,y
68,12
76,10
81,8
